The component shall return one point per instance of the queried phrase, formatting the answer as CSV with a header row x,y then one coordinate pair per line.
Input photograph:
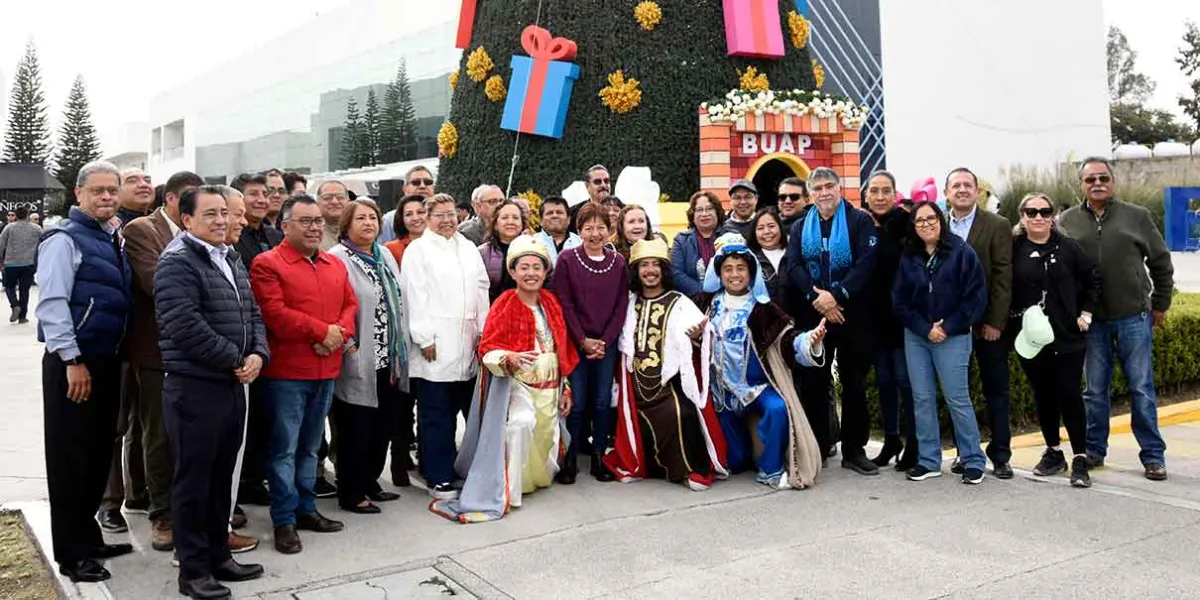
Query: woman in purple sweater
x,y
592,284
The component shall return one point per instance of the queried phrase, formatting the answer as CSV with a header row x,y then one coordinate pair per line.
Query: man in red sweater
x,y
308,308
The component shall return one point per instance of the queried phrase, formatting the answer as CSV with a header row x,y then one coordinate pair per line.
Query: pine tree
x,y
77,141
28,137
1189,62
371,125
398,123
354,138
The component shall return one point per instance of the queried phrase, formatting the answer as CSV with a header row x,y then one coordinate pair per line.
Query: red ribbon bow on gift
x,y
542,46
925,191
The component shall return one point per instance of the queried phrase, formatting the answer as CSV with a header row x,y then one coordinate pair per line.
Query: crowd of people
x,y
198,339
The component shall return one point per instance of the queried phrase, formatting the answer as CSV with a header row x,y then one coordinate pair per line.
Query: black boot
x,y
892,446
600,472
569,471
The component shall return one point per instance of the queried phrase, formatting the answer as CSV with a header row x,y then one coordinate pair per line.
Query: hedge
x,y
1176,368
679,64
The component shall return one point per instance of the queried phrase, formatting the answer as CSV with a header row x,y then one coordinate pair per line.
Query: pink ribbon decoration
x,y
542,48
924,191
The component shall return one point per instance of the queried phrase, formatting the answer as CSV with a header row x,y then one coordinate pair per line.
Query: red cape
x,y
510,326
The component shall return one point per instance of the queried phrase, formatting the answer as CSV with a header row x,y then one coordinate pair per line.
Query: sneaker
x,y
1053,462
323,489
161,536
443,491
1095,462
956,467
1079,473
1156,472
920,473
111,521
241,543
972,476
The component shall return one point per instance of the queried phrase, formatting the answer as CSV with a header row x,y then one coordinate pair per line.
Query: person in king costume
x,y
516,436
666,425
754,344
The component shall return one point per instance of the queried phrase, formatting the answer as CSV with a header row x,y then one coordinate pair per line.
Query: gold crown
x,y
655,248
527,245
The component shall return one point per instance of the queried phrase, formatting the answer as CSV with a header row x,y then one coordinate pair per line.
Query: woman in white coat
x,y
374,373
445,286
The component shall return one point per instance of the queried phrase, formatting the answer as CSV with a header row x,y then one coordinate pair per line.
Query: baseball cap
x,y
745,184
1035,332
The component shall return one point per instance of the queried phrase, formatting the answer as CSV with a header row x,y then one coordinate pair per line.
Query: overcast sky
x,y
130,50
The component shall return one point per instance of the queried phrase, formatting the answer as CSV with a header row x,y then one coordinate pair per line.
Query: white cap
x,y
1035,332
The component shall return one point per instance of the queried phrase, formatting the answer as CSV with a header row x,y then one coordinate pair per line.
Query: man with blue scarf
x,y
831,251
754,349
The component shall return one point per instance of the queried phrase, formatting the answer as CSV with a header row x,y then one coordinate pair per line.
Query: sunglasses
x,y
421,182
1097,178
791,197
1044,213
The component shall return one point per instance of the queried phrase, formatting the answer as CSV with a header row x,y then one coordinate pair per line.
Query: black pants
x,y
127,473
850,345
156,449
79,442
992,358
204,421
364,433
440,403
258,437
17,281
1057,391
403,434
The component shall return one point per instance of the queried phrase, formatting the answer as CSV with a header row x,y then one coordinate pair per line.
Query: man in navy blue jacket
x,y
213,344
831,251
83,314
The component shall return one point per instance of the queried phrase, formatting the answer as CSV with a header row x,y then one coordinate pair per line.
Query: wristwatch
x,y
73,362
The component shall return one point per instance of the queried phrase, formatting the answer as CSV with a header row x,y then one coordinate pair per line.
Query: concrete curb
x,y
37,519
1175,414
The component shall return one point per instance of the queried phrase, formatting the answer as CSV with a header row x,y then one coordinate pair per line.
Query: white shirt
x,y
775,256
445,289
217,255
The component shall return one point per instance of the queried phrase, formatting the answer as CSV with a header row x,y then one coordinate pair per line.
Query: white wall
x,y
989,85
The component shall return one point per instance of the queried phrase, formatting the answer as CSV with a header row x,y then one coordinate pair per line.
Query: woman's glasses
x,y
1044,213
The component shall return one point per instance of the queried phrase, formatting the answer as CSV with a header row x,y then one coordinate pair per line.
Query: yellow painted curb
x,y
1175,414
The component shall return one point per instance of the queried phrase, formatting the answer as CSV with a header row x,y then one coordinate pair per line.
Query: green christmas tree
x,y
354,137
679,62
398,123
371,125
27,139
77,141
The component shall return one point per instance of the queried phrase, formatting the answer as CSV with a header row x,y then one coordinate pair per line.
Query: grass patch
x,y
23,573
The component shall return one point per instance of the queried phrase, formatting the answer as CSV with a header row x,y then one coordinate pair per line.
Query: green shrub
x,y
1176,368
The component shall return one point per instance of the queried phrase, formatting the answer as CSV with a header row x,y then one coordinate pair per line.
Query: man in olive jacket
x,y
990,235
1136,283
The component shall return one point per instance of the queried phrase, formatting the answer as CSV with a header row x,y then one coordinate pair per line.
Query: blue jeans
x,y
591,387
949,361
891,377
297,410
1134,338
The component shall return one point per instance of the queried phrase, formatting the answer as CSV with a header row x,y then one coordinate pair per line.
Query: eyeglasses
x,y
443,215
421,182
926,222
309,222
333,196
704,210
791,197
492,201
599,181
271,191
1044,213
1091,179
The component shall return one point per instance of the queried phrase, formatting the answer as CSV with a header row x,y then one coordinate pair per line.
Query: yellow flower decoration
x,y
664,197
478,64
454,79
753,81
648,14
621,95
535,205
799,28
447,139
818,73
494,88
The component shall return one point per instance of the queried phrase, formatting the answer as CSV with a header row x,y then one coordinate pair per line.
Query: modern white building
x,y
987,85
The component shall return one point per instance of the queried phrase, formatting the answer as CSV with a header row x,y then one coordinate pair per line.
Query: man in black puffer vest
x,y
213,344
83,315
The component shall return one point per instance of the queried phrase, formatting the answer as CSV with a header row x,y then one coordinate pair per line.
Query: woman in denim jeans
x,y
939,294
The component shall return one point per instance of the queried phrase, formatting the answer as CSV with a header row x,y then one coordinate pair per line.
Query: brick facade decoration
x,y
737,150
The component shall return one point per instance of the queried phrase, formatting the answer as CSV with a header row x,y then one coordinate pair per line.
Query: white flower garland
x,y
737,103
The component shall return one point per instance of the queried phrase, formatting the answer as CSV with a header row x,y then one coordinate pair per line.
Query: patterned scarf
x,y
837,246
397,352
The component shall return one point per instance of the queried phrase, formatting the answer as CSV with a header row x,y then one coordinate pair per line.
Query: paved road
x,y
849,537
